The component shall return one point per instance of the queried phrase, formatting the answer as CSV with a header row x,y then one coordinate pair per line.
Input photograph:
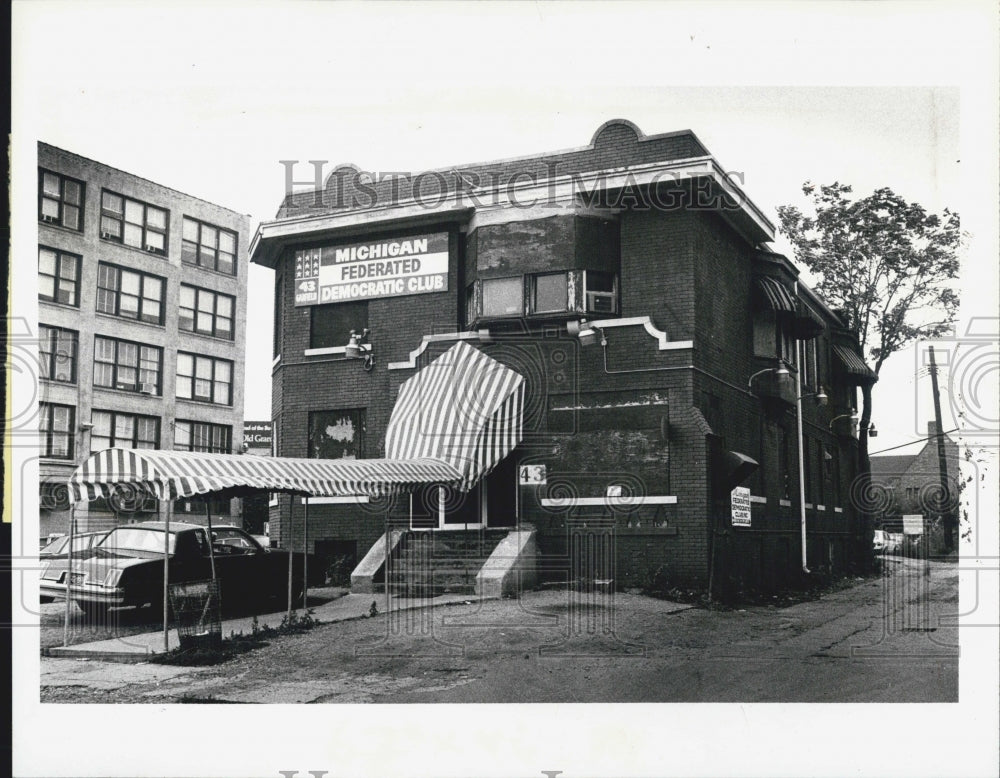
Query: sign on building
x,y
740,501
258,435
532,475
416,264
913,524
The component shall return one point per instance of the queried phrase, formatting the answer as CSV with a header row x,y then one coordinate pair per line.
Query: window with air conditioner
x,y
126,366
550,292
134,223
60,200
600,291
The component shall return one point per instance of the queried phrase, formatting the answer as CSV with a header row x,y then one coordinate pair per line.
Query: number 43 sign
x,y
531,475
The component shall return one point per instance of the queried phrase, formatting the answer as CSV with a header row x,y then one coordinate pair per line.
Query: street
x,y
885,639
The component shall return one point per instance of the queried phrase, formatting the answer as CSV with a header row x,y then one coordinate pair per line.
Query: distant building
x,y
911,484
660,341
142,321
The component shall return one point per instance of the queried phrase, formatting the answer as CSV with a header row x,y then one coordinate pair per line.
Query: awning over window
x,y
170,475
773,294
854,364
464,408
807,324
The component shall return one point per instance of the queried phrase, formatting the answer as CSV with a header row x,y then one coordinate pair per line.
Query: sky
x,y
209,98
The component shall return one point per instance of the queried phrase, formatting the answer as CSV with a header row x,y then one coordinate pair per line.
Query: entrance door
x,y
501,494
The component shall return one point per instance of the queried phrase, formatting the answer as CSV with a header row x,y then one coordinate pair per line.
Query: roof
x,y
892,465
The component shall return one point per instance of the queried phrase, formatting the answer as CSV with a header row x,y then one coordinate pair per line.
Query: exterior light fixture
x,y
586,332
779,371
357,348
872,432
86,426
852,416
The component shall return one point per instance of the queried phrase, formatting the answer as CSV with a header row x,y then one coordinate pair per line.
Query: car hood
x,y
95,566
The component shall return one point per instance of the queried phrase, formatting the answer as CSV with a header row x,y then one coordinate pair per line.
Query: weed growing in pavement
x,y
237,643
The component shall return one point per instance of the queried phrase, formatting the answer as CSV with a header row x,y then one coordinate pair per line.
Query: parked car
x,y
58,549
126,567
881,541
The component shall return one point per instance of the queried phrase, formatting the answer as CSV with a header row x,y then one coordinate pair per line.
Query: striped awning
x,y
773,294
464,408
169,475
854,365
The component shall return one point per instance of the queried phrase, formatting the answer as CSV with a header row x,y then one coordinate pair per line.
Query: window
x,y
200,436
600,291
503,297
337,434
58,276
331,325
57,353
204,379
549,293
207,246
56,430
124,430
772,337
60,200
133,223
131,367
200,507
129,294
206,312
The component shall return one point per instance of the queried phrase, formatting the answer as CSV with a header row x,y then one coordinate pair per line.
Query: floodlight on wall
x,y
357,348
585,332
86,426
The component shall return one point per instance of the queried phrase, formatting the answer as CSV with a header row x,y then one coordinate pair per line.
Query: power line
x,y
912,442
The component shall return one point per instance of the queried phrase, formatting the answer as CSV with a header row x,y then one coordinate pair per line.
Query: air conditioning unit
x,y
46,217
125,386
152,248
148,388
108,235
602,302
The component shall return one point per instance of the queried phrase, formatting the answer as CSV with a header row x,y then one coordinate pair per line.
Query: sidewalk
x,y
139,648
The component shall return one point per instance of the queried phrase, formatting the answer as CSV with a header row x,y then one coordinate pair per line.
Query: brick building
x,y
630,284
911,483
142,321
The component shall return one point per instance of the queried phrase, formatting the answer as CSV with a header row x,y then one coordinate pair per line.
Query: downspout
x,y
802,467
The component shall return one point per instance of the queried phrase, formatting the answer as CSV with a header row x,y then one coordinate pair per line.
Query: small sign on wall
x,y
913,524
740,501
531,475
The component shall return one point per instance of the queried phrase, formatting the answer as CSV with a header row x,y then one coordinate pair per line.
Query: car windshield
x,y
137,539
57,546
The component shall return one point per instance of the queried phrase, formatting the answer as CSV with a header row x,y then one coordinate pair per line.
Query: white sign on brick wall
x,y
740,501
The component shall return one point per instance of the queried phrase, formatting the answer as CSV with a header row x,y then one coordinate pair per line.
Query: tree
x,y
888,264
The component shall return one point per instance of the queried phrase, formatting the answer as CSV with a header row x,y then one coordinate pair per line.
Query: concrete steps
x,y
427,564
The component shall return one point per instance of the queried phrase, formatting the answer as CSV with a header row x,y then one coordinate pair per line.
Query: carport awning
x,y
464,408
170,475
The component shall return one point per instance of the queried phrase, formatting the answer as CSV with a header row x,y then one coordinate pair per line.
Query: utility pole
x,y
944,508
